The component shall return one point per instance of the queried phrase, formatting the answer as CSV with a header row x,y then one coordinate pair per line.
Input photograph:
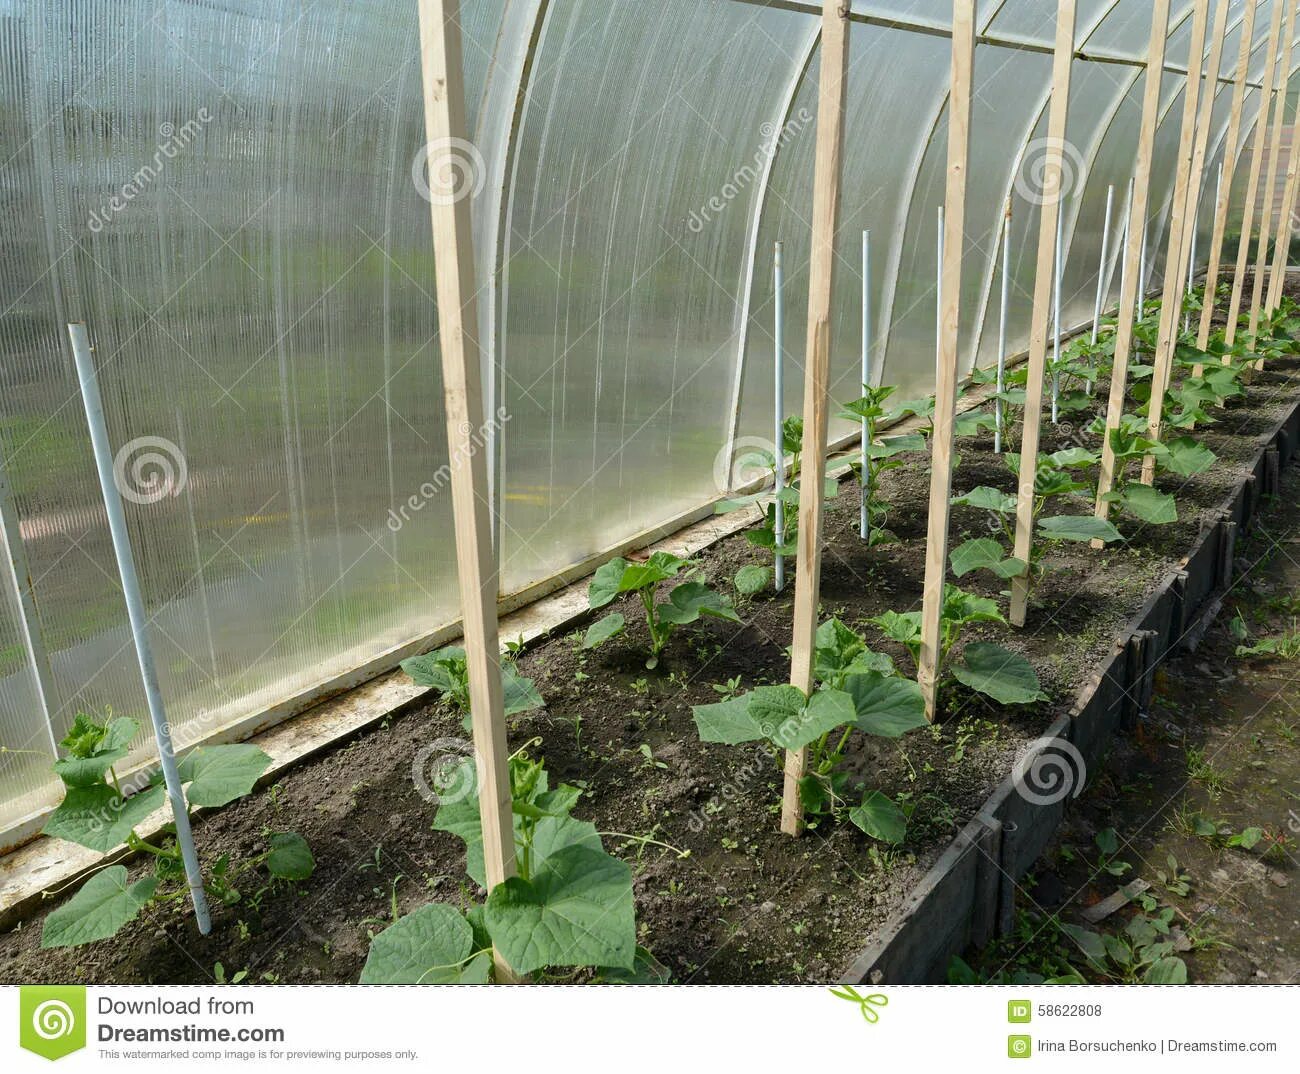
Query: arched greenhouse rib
x,y
228,203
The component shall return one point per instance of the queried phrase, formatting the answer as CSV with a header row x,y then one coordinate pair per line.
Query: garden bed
x,y
746,904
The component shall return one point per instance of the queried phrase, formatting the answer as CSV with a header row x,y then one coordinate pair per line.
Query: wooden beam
x,y
941,442
1135,242
1230,158
1252,182
1049,213
446,133
1274,157
1286,221
1171,305
817,370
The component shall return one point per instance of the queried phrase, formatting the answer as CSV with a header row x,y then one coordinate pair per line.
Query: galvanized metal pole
x,y
20,574
1101,268
1004,303
84,357
864,520
778,415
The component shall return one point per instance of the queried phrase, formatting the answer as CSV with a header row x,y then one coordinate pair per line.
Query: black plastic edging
x,y
968,895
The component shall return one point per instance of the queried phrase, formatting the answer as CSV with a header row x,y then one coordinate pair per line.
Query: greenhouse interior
x,y
712,491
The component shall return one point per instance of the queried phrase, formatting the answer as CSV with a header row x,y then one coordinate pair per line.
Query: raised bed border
x,y
968,896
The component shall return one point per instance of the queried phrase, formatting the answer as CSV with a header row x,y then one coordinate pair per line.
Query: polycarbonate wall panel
x,y
224,196
227,194
639,169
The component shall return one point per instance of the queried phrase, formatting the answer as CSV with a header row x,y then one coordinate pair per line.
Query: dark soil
x,y
747,904
1220,744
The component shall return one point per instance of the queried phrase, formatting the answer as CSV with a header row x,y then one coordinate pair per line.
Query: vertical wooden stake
x,y
1225,187
1171,311
821,275
446,132
1286,224
1274,157
1252,183
945,398
1044,280
1134,253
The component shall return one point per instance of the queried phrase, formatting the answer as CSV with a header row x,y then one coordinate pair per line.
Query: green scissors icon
x,y
866,1004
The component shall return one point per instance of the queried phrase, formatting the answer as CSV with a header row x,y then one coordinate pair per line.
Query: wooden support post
x,y
1274,157
446,132
1053,194
1285,226
1230,157
1252,182
945,405
1135,247
821,275
1171,311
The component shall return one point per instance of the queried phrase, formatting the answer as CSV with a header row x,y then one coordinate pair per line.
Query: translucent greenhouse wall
x,y
231,196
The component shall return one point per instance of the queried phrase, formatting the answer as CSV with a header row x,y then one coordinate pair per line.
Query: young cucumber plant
x,y
96,813
857,690
1182,455
447,671
1052,479
882,455
569,906
989,669
686,602
754,578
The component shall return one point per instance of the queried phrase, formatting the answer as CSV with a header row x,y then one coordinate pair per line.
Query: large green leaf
x,y
880,818
99,818
1077,528
752,579
290,857
1187,457
890,446
604,586
1168,970
520,693
220,774
885,705
727,721
826,710
690,600
771,706
988,499
443,670
576,910
1069,458
839,651
431,945
978,554
104,904
1149,504
603,629
1005,676
93,749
